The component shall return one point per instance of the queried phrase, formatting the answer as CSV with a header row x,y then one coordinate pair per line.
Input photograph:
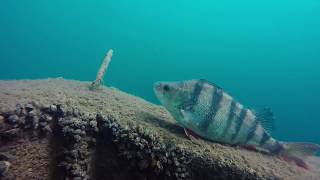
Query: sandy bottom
x,y
31,159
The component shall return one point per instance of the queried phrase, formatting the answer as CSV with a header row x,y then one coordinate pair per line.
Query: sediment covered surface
x,y
59,129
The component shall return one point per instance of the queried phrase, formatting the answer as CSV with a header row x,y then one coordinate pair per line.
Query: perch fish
x,y
204,109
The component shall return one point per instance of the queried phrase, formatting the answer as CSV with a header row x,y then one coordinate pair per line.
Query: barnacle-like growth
x,y
138,153
103,68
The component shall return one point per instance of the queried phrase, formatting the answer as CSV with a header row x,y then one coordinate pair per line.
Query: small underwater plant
x,y
103,68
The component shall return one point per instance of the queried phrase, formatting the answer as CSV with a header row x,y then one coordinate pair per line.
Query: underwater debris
x,y
115,140
103,68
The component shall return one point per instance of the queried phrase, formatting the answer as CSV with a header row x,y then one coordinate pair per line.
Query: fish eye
x,y
166,88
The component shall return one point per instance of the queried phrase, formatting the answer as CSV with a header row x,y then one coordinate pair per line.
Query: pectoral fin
x,y
188,116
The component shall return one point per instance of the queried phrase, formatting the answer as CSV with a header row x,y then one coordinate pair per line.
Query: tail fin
x,y
298,152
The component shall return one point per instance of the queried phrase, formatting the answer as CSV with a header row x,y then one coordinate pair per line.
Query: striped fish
x,y
206,110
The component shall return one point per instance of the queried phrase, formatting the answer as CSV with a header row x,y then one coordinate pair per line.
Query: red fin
x,y
195,138
191,134
299,162
250,147
298,152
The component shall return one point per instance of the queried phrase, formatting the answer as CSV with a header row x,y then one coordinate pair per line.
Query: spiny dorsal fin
x,y
211,83
266,118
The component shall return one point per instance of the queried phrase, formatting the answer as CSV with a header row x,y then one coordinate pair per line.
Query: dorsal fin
x,y
266,118
211,83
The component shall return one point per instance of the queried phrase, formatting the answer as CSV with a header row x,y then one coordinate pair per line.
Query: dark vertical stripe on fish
x,y
264,139
196,92
252,130
189,105
214,107
229,120
243,114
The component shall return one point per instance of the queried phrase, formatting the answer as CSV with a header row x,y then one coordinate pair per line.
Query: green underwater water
x,y
264,53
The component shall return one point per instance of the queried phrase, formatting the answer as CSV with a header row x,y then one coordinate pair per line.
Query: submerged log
x,y
70,132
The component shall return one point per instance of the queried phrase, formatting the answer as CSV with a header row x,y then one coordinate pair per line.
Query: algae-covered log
x,y
58,129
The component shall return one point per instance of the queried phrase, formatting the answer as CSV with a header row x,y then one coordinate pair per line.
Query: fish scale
x,y
231,130
228,121
202,106
213,109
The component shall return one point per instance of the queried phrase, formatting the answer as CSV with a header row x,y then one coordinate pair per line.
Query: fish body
x,y
211,113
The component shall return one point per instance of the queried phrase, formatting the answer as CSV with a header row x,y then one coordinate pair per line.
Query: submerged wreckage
x,y
58,129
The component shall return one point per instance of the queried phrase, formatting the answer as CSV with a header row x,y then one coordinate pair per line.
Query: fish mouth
x,y
157,86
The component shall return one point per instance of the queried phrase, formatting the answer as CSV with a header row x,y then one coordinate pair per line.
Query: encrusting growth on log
x,y
103,68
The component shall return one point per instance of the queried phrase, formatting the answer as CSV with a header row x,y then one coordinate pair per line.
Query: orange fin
x,y
298,152
190,134
250,147
299,162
